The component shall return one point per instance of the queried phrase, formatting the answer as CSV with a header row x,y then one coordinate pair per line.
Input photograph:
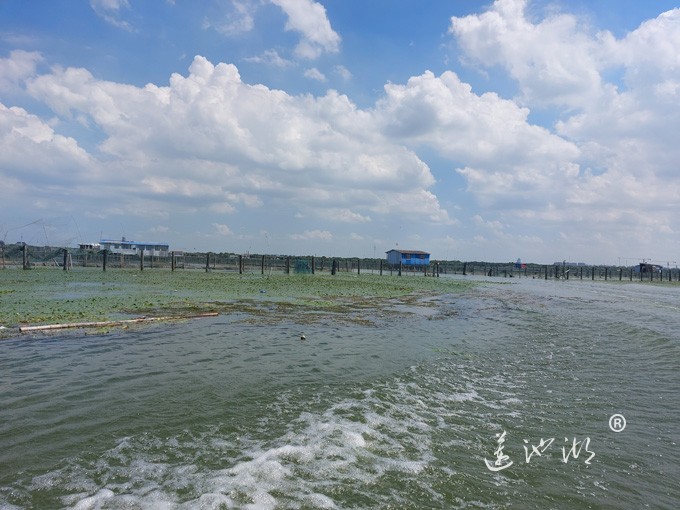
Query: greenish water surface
x,y
399,406
48,296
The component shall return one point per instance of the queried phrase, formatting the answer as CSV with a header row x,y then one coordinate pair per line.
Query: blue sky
x,y
472,130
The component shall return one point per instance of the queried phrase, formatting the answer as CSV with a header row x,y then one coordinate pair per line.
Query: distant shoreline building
x,y
568,264
643,267
408,257
125,247
90,246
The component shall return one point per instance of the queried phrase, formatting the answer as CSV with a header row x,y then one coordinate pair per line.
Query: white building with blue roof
x,y
125,247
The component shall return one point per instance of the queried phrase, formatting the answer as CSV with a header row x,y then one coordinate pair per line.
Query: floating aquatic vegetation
x,y
45,296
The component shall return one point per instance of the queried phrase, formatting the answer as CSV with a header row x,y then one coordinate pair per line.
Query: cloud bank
x,y
598,177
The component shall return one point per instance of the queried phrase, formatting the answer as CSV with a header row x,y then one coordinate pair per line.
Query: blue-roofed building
x,y
126,247
408,258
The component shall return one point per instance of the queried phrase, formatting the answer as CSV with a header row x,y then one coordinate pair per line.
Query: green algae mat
x,y
49,296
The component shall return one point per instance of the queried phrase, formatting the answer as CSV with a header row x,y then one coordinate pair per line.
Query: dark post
x,y
262,264
381,262
606,269
287,265
400,267
104,255
24,249
358,266
313,264
464,268
207,262
172,261
141,260
65,260
620,273
546,272
333,267
240,264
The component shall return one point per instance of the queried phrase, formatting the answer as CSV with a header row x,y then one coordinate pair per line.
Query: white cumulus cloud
x,y
19,66
309,19
555,61
209,140
613,141
314,74
307,235
110,11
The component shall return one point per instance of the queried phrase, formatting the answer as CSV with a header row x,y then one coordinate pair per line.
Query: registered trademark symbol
x,y
617,423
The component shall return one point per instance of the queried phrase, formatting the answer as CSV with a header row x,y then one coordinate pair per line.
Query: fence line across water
x,y
66,259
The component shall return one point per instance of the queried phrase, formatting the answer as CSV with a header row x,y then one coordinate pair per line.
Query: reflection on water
x,y
402,413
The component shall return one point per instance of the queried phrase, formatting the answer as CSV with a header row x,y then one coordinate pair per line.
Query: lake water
x,y
407,412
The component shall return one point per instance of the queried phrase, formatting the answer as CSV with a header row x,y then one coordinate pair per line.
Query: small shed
x,y
648,268
408,257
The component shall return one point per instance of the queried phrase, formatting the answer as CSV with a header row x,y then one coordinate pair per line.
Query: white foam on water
x,y
6,506
380,436
92,502
319,501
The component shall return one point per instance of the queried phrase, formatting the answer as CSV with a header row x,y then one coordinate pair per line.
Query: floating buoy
x,y
303,337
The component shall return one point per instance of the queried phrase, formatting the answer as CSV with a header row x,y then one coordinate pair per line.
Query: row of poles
x,y
335,267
